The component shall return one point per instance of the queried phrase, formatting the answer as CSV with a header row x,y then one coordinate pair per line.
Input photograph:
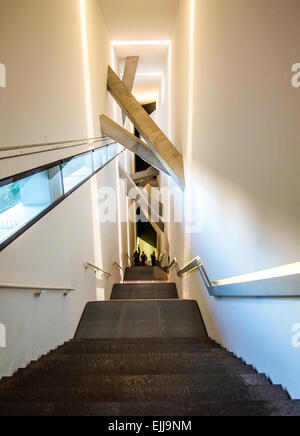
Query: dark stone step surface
x,y
145,291
74,348
139,359
128,393
146,341
159,409
107,382
136,350
140,319
93,368
141,273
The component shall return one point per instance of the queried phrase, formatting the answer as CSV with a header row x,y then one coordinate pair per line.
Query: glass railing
x,y
26,197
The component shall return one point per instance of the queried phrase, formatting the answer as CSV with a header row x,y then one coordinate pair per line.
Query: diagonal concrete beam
x,y
129,75
142,178
150,172
159,143
140,196
131,142
144,182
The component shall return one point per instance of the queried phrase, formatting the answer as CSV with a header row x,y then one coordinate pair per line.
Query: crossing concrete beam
x,y
150,172
140,196
131,64
163,149
129,141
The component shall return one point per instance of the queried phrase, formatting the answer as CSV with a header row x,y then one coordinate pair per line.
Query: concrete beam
x,y
129,141
144,182
129,75
163,149
142,178
150,172
139,195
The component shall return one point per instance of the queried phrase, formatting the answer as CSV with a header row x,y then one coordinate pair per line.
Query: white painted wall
x,y
243,152
41,47
45,100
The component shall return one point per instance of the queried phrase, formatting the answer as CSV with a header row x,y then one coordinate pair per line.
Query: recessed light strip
x,y
281,271
147,42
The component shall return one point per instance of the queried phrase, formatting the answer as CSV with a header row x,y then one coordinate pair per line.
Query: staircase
x,y
144,353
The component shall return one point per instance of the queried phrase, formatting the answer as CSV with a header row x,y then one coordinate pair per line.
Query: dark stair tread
x,y
139,319
132,348
107,382
144,341
135,291
208,392
158,368
137,361
141,273
147,354
216,408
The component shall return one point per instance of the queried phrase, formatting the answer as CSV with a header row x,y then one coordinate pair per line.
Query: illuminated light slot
x,y
146,74
150,74
2,76
169,88
120,239
147,42
281,271
190,120
114,68
86,68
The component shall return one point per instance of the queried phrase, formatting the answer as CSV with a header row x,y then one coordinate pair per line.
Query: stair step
x,y
141,273
132,348
151,291
142,319
127,393
107,382
138,360
92,369
157,409
145,341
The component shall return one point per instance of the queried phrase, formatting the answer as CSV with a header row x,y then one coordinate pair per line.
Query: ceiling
x,y
139,19
142,20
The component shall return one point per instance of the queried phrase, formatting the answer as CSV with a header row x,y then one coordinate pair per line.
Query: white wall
x,y
46,99
243,152
41,47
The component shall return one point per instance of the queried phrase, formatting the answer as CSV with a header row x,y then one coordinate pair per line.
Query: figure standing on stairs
x,y
136,257
153,259
144,258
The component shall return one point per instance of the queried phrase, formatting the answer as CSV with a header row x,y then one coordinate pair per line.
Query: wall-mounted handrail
x,y
286,286
116,265
36,289
191,266
161,257
28,150
96,269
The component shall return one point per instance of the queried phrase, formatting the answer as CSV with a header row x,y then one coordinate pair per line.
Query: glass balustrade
x,y
25,198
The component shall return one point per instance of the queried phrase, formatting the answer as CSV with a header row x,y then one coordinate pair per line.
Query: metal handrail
x,y
281,287
44,148
70,141
89,265
191,266
36,289
118,266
